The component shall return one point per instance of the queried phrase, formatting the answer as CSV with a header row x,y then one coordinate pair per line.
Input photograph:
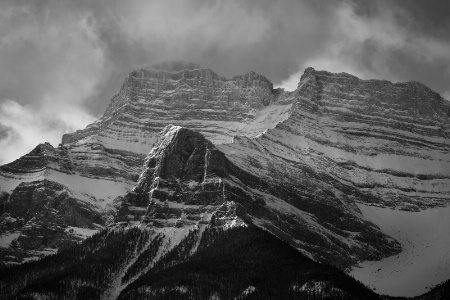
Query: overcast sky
x,y
62,61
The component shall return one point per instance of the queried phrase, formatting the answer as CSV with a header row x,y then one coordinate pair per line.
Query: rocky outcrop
x,y
182,183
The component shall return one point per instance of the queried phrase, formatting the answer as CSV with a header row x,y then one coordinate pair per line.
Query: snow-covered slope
x,y
425,258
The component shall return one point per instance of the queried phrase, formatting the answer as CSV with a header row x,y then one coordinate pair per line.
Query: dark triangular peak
x,y
183,167
181,154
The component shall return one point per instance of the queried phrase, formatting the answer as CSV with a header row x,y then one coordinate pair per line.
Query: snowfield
x,y
425,259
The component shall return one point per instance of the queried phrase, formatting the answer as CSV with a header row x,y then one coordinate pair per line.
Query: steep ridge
x,y
389,141
183,178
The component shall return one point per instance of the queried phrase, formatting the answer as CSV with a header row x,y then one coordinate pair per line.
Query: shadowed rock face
x,y
183,176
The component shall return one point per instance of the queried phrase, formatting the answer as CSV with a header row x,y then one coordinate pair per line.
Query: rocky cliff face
x,y
186,94
300,164
182,179
368,135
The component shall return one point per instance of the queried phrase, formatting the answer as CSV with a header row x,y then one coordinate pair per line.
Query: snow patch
x,y
7,238
250,290
81,232
101,189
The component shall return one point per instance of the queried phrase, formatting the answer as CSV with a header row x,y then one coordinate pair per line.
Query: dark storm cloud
x,y
427,17
231,37
62,61
401,41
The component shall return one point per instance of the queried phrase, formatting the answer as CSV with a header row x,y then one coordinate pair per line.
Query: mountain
x,y
353,173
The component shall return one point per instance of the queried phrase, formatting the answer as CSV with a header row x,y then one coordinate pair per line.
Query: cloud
x,y
62,56
231,37
22,128
103,41
446,95
383,40
386,45
50,65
